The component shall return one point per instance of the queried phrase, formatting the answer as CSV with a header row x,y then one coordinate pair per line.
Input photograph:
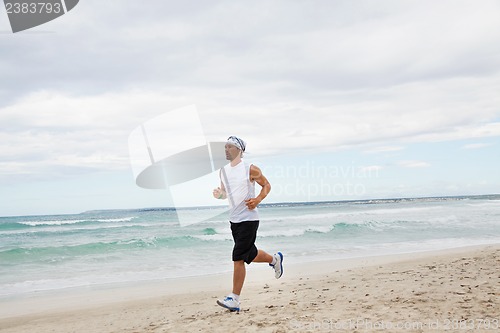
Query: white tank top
x,y
239,188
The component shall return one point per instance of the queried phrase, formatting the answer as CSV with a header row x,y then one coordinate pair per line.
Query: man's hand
x,y
218,193
252,203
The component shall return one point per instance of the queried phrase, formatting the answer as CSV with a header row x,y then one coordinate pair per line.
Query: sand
x,y
453,290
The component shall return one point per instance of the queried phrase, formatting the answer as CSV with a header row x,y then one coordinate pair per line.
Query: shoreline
x,y
177,300
105,293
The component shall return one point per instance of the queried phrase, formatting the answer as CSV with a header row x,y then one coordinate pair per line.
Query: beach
x,y
455,290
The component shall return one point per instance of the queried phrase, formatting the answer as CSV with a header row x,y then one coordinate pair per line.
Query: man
x,y
238,186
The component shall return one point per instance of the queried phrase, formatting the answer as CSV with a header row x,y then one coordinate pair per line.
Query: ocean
x,y
54,252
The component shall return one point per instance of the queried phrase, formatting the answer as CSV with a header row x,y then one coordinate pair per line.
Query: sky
x,y
337,100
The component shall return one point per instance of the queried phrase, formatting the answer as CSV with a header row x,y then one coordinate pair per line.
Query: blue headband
x,y
235,141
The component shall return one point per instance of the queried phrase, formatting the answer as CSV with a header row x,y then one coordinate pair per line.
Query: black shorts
x,y
244,235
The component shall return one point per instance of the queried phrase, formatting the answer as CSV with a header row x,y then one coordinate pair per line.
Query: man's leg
x,y
238,276
263,256
239,272
275,261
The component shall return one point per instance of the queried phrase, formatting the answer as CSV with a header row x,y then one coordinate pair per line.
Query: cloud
x,y
52,134
413,164
295,47
383,149
476,145
328,76
50,128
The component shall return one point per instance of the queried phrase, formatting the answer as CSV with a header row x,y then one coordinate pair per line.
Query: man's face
x,y
231,152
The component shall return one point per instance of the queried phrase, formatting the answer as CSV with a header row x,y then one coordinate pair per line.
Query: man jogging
x,y
238,186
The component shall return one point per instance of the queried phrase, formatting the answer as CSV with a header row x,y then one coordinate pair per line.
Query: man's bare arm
x,y
257,176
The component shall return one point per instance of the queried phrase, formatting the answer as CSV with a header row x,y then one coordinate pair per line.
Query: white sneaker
x,y
278,266
230,303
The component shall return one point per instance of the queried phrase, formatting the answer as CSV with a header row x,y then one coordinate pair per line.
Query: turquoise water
x,y
93,248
